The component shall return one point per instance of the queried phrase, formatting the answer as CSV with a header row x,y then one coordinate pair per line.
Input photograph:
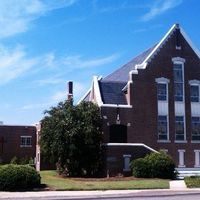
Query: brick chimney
x,y
70,91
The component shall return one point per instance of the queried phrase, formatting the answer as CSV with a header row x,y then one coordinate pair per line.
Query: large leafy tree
x,y
71,136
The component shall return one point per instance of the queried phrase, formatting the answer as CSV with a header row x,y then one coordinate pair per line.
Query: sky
x,y
46,43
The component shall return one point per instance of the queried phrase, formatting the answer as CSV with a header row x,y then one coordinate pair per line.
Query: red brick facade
x,y
140,115
12,144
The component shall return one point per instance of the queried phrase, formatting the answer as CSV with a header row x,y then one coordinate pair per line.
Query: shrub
x,y
140,168
18,177
154,165
14,160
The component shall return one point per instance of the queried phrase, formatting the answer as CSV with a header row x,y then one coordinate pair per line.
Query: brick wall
x,y
143,116
11,146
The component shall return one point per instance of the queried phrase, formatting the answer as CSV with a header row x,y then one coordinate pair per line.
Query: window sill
x,y
25,145
126,170
181,166
164,141
195,141
162,101
180,141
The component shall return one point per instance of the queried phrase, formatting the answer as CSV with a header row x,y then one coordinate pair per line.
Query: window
x,y
162,91
196,128
178,82
179,128
194,93
181,158
197,158
162,127
26,141
127,162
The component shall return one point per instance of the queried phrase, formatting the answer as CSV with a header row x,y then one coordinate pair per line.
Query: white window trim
x,y
195,83
165,81
181,152
194,141
124,157
184,120
25,136
181,61
197,158
167,140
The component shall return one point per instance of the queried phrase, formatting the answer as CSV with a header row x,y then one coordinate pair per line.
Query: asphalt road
x,y
187,195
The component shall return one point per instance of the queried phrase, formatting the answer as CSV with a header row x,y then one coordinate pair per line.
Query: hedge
x,y
18,177
154,165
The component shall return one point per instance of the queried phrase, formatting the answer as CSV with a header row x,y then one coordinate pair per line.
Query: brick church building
x,y
152,103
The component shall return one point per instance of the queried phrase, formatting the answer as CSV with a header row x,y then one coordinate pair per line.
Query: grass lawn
x,y
192,182
51,179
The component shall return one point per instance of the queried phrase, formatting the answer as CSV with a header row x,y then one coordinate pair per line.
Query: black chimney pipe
x,y
70,91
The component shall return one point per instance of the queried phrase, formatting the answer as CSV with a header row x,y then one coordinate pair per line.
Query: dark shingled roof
x,y
111,92
122,74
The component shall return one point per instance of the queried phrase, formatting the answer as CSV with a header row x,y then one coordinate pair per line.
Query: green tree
x,y
71,136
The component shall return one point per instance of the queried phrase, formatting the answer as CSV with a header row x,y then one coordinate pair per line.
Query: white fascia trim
x,y
116,106
97,90
144,63
134,71
130,144
195,49
83,97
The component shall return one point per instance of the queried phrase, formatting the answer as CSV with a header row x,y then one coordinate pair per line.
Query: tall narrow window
x,y
178,82
162,128
181,153
197,158
127,162
179,128
162,91
196,128
194,93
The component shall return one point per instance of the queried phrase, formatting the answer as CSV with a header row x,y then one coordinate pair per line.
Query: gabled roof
x,y
141,61
111,92
122,74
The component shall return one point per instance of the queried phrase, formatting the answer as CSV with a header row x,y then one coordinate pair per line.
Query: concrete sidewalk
x,y
177,185
95,194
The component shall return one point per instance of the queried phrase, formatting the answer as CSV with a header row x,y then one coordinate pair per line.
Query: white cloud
x,y
160,7
72,62
14,63
59,96
17,15
37,106
49,81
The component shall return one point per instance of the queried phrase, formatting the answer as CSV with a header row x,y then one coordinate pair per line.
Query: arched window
x,y
118,133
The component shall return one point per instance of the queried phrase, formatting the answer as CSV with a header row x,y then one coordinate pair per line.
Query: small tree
x,y
71,136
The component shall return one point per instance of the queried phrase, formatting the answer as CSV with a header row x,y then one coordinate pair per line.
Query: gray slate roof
x,y
111,92
122,74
